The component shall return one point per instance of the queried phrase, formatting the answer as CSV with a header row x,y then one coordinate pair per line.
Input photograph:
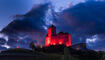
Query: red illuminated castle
x,y
57,39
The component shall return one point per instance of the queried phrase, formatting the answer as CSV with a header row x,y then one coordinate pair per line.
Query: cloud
x,y
6,46
30,25
10,8
83,20
3,42
96,42
33,20
86,17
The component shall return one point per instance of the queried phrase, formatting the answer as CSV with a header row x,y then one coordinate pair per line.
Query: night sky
x,y
24,21
10,8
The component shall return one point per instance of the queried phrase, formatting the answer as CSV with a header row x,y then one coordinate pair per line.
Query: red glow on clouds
x,y
57,39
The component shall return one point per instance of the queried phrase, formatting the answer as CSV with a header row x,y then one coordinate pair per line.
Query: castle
x,y
57,39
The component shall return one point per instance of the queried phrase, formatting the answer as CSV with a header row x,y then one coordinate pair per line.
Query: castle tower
x,y
52,31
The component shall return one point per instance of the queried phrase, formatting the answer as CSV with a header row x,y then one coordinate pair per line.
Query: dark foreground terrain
x,y
48,54
24,54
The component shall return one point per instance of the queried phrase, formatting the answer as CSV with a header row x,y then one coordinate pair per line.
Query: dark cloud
x,y
32,20
2,41
30,25
86,17
22,41
83,20
2,48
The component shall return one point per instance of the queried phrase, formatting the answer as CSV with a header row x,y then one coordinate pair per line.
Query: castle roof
x,y
53,26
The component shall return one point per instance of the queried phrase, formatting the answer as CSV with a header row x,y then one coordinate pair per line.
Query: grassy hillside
x,y
68,54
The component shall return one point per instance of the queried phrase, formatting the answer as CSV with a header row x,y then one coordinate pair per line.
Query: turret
x,y
51,31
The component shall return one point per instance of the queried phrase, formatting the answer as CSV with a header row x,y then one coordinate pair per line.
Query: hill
x,y
65,53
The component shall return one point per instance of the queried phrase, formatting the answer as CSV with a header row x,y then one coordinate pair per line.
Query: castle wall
x,y
57,39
